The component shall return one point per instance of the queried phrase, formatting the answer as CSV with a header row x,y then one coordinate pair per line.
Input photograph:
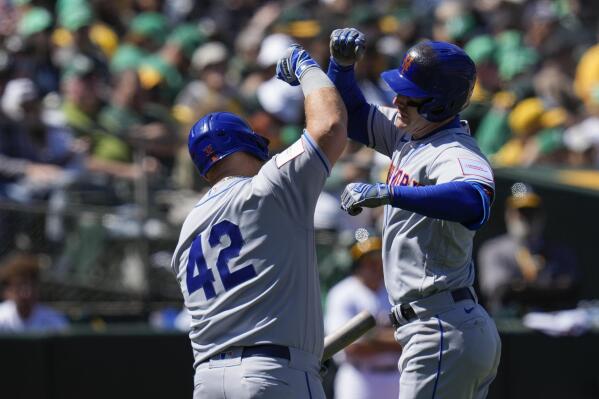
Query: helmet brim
x,y
402,85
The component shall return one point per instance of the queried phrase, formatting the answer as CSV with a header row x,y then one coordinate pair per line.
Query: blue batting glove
x,y
347,46
293,65
358,195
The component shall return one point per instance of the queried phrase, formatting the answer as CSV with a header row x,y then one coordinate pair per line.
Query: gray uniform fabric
x,y
421,255
236,377
452,349
252,278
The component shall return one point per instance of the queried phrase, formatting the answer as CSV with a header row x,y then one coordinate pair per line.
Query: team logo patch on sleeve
x,y
293,151
475,167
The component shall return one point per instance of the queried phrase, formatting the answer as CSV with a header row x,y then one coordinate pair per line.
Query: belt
x,y
267,350
409,314
264,350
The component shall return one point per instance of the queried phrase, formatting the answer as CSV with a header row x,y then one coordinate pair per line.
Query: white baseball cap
x,y
209,54
16,93
281,100
583,136
273,47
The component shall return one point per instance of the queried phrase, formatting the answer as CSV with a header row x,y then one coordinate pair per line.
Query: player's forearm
x,y
357,108
461,202
326,116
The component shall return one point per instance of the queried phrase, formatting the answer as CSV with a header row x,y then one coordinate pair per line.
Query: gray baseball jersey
x,y
422,255
246,259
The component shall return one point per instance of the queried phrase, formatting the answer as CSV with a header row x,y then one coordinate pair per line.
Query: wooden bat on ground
x,y
351,331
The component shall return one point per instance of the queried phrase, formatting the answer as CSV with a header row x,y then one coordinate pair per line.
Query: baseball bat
x,y
351,331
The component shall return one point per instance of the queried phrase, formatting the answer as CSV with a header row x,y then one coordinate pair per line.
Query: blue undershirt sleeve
x,y
464,202
357,108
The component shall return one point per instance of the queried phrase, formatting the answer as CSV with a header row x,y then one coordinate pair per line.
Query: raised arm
x,y
326,116
347,47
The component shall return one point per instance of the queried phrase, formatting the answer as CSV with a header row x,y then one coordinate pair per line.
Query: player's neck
x,y
238,164
429,128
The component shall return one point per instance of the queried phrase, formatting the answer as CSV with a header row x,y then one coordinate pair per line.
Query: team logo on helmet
x,y
407,62
209,151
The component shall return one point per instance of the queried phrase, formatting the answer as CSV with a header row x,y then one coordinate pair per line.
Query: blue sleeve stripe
x,y
440,358
322,157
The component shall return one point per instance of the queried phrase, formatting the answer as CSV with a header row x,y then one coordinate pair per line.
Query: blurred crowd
x,y
97,98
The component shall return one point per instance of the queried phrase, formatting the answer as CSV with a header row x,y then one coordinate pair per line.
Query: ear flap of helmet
x,y
441,107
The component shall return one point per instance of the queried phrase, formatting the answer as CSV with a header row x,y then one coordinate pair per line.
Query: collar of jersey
x,y
214,193
452,124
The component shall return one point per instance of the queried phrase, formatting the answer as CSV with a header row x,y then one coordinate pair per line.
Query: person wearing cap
x,y
162,73
35,60
126,57
20,311
482,49
176,54
109,153
79,32
148,31
536,130
266,61
521,270
368,367
80,88
139,122
210,91
279,113
34,155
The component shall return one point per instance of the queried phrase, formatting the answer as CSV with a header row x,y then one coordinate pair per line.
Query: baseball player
x,y
437,194
246,261
368,368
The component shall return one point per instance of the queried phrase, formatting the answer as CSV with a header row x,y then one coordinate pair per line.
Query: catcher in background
x,y
246,260
367,368
438,192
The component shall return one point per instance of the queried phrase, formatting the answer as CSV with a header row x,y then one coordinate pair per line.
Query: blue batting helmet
x,y
438,71
220,134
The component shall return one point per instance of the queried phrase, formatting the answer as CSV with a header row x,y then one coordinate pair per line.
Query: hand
x,y
347,46
358,195
292,66
43,173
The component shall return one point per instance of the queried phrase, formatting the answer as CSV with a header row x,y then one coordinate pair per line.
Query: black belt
x,y
264,350
409,314
267,350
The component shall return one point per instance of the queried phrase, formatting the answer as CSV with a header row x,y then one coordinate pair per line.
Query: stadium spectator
x,y
522,270
35,155
20,311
